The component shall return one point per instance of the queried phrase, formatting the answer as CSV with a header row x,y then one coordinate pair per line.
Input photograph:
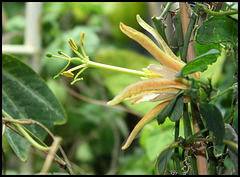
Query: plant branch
x,y
188,54
26,135
165,11
205,9
15,122
179,144
174,145
48,161
234,86
176,150
227,142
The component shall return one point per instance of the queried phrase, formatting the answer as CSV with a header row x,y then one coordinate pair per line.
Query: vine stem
x,y
19,122
26,135
178,144
190,55
165,11
50,156
205,9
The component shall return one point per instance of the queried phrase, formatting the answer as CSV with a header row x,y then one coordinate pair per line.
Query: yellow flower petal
x,y
146,119
142,86
156,95
162,71
149,45
159,38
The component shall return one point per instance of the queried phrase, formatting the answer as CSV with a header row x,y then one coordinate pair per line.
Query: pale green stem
x,y
109,67
175,145
191,138
78,54
26,135
77,67
116,68
205,9
227,142
56,56
222,93
165,11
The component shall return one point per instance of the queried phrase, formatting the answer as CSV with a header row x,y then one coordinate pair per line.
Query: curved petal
x,y
147,118
156,95
159,38
145,86
150,46
162,71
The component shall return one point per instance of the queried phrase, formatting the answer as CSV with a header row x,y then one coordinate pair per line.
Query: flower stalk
x,y
83,63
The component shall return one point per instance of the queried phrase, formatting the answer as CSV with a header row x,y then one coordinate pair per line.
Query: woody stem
x,y
187,26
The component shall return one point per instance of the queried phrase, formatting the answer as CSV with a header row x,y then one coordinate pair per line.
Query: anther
x,y
72,44
67,74
82,39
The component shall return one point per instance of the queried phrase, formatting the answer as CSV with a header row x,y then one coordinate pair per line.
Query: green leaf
x,y
199,63
173,109
160,26
218,29
25,95
176,112
154,138
215,70
231,135
164,160
214,120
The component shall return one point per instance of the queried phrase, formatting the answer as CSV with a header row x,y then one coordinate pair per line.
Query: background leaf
x,y
155,137
214,120
25,95
218,29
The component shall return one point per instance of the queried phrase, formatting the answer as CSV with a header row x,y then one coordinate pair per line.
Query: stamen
x,y
82,39
82,44
67,74
61,53
74,81
72,44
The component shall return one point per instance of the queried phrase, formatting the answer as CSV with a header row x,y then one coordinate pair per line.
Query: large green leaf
x,y
214,71
25,95
173,109
218,29
200,63
214,120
